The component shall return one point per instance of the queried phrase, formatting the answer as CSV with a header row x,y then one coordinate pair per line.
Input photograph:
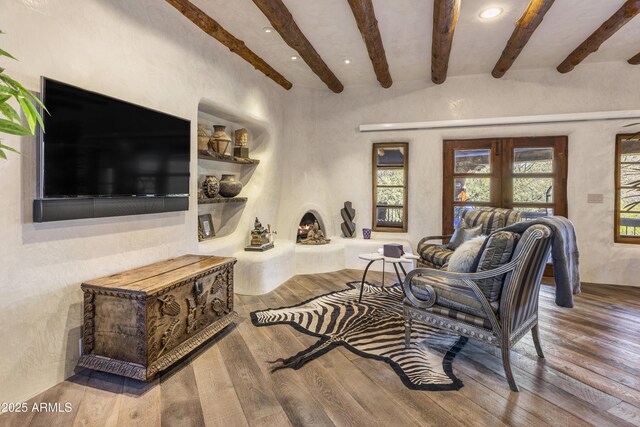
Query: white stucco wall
x,y
345,153
145,52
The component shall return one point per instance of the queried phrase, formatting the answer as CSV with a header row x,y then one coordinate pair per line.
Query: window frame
x,y
617,237
405,186
502,173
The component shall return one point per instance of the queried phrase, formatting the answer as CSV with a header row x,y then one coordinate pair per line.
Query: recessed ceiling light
x,y
347,61
492,12
267,29
294,57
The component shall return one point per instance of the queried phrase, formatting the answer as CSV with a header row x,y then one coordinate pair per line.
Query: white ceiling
x,y
406,25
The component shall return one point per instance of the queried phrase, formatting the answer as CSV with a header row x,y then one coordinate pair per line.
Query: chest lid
x,y
155,277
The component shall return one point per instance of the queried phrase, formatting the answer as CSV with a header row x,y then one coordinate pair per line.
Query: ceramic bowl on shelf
x,y
230,186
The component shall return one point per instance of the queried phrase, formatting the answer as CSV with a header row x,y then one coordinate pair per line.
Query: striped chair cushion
x,y
491,219
436,255
450,294
497,251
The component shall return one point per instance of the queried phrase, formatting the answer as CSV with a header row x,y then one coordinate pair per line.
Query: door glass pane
x,y
391,156
391,177
457,212
472,161
390,196
533,160
389,217
472,190
630,191
533,213
533,190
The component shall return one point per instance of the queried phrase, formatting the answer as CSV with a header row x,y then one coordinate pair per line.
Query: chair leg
x,y
407,332
536,340
506,363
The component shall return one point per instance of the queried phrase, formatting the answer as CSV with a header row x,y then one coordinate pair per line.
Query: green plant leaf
x,y
8,111
2,155
7,54
9,90
29,113
4,98
6,147
33,112
9,81
13,128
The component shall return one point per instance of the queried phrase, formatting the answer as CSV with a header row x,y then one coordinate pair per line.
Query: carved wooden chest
x,y
141,321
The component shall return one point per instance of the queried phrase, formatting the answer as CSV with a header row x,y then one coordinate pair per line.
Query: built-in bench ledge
x,y
260,272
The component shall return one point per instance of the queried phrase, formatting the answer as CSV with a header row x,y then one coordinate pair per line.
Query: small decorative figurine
x,y
259,238
241,149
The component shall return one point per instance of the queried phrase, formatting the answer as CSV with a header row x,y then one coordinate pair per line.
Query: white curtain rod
x,y
493,121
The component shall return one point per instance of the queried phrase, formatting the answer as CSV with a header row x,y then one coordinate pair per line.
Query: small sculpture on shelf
x,y
348,226
241,150
260,240
315,236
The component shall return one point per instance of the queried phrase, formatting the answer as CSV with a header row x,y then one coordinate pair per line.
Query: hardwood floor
x,y
591,376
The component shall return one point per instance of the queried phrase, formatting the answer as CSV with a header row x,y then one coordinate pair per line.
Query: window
x,y
627,209
390,165
526,174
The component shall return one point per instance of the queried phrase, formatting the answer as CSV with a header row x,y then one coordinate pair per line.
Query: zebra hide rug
x,y
373,328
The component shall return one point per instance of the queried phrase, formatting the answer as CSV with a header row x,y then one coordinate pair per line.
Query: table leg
x,y
403,270
395,267
364,276
383,264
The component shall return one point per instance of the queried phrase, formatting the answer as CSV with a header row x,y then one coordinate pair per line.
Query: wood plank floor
x,y
591,376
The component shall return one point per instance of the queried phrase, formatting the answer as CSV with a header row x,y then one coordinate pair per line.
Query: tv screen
x,y
98,146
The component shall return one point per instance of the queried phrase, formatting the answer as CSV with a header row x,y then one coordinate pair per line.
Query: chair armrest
x,y
428,238
464,279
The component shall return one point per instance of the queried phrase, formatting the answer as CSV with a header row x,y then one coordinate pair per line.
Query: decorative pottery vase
x,y
203,138
230,186
366,233
219,141
210,186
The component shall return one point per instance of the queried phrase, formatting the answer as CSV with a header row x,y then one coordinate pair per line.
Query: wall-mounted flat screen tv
x,y
98,146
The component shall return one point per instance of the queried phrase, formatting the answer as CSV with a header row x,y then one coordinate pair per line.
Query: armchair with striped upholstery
x,y
498,306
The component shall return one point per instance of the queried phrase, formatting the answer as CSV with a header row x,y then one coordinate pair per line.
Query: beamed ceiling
x,y
388,41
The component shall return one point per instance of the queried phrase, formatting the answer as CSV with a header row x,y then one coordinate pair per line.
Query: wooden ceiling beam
x,y
215,30
368,25
445,18
525,27
628,11
634,60
282,21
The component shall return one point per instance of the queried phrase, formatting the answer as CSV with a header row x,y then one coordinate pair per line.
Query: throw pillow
x,y
498,251
463,233
463,258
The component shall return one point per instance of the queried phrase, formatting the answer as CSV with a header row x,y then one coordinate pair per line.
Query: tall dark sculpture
x,y
348,226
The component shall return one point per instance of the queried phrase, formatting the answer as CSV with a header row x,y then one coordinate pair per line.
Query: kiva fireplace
x,y
311,230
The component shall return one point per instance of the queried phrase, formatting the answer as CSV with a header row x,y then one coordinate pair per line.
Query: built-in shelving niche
x,y
227,213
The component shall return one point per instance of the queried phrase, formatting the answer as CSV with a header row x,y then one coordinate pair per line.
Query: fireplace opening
x,y
311,230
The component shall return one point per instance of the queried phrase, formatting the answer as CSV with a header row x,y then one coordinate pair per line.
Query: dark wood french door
x,y
528,174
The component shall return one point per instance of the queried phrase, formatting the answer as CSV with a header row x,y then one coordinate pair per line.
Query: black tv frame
x,y
47,209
